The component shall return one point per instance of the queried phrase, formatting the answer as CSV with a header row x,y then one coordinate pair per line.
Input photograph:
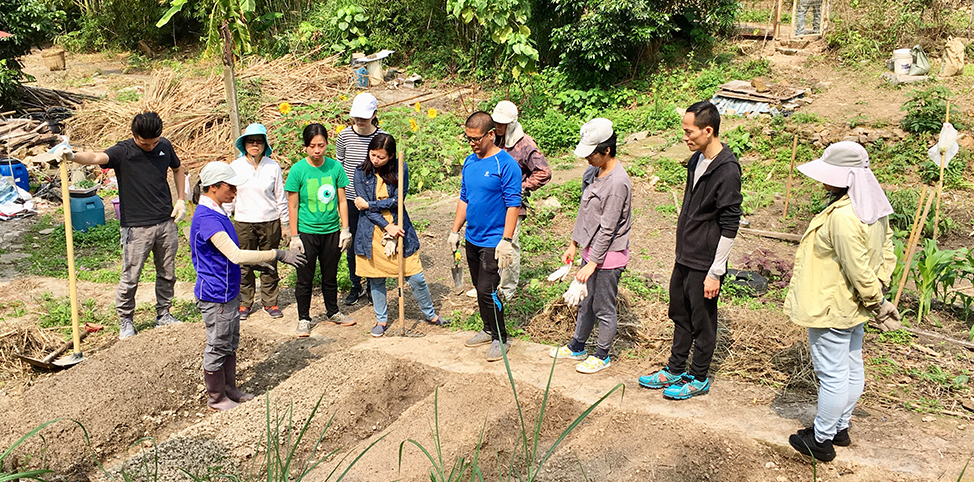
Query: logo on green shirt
x,y
320,194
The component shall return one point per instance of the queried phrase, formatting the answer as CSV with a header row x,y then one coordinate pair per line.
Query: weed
x,y
898,337
926,109
671,174
669,209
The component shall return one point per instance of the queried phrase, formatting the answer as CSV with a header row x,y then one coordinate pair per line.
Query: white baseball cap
x,y
505,112
217,171
364,106
593,133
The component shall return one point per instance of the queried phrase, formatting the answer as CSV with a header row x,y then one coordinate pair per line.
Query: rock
x,y
11,257
679,151
759,84
551,203
46,232
784,82
929,418
770,465
851,138
863,139
787,51
638,136
823,85
730,111
896,79
882,134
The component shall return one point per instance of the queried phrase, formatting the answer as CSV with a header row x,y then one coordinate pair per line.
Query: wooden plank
x,y
772,234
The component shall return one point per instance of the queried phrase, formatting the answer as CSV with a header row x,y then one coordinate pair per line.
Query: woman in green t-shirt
x,y
319,225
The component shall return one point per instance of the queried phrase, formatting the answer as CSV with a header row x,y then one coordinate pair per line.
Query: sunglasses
x,y
254,140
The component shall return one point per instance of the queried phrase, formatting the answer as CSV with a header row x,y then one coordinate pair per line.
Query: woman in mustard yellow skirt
x,y
375,241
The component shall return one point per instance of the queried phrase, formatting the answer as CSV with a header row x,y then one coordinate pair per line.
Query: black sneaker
x,y
804,442
354,295
842,438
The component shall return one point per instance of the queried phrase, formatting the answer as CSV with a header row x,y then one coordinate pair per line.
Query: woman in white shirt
x,y
259,210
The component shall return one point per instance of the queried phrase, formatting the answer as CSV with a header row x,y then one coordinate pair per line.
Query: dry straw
x,y
194,110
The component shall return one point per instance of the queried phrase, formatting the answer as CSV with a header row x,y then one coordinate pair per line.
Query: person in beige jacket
x,y
842,269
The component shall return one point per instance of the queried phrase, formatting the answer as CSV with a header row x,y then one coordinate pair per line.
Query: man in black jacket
x,y
705,233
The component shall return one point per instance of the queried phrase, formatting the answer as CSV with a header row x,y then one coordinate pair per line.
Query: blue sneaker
x,y
690,387
661,379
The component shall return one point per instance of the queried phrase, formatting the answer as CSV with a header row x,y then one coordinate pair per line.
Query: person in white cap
x,y
705,232
352,149
535,172
148,215
490,198
217,259
259,210
842,268
602,231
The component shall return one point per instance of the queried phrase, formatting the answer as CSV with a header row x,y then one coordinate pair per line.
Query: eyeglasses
x,y
254,140
472,140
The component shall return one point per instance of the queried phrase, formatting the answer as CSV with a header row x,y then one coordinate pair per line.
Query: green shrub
x,y
554,131
926,110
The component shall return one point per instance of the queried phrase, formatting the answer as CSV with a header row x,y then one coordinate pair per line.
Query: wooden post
x,y
791,172
940,182
229,83
794,13
399,252
777,18
910,249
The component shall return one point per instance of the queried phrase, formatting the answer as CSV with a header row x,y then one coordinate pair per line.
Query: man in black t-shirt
x,y
148,216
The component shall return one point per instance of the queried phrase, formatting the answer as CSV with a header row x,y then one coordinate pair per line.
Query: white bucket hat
x,y
364,106
505,112
846,164
217,171
593,133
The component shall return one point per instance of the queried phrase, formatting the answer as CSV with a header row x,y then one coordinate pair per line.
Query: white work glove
x,y
345,239
285,238
504,254
296,244
454,241
887,317
576,293
64,151
389,245
560,273
178,211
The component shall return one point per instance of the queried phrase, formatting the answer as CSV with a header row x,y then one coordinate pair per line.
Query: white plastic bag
x,y
946,144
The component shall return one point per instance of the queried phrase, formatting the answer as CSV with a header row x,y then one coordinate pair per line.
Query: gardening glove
x,y
389,243
887,317
296,245
454,241
285,239
292,258
504,254
64,151
344,239
178,211
575,294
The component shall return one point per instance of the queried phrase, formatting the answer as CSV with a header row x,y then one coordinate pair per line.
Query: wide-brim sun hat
x,y
364,106
846,165
593,133
253,130
216,171
836,164
504,112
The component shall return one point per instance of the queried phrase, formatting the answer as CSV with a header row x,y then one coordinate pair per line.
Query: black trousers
x,y
486,276
350,255
322,248
695,320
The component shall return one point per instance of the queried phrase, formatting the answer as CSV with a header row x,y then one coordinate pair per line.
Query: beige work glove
x,y
296,244
454,241
887,317
178,211
64,151
504,254
285,238
345,239
389,245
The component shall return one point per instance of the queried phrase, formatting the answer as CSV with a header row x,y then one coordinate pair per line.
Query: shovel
x,y
49,362
457,270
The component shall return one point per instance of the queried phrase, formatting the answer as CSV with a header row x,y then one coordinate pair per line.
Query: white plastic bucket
x,y
902,60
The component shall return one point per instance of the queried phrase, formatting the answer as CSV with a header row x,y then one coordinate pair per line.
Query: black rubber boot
x,y
230,375
216,391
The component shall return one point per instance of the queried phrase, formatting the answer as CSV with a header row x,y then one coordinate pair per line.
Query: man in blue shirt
x,y
217,258
490,198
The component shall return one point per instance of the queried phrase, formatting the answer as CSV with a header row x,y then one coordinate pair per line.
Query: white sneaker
x,y
592,364
563,352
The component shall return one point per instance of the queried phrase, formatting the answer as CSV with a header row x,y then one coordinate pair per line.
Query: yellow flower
x,y
413,126
343,98
380,122
418,108
431,113
285,108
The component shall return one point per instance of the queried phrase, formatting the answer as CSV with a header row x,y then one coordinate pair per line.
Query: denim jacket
x,y
369,218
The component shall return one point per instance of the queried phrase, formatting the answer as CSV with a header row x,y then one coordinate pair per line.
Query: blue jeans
x,y
805,7
420,291
837,359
